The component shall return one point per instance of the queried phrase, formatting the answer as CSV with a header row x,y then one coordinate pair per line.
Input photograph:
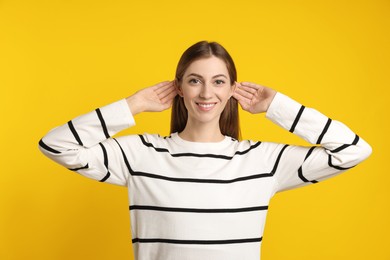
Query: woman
x,y
200,193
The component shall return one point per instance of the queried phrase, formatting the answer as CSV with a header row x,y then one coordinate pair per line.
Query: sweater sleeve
x,y
85,145
335,147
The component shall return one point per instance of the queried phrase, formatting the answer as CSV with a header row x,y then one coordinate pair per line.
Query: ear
x,y
178,88
233,88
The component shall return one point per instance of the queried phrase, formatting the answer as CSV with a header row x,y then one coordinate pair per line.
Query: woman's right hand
x,y
153,99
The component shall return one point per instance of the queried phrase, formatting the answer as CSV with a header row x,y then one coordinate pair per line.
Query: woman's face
x,y
205,88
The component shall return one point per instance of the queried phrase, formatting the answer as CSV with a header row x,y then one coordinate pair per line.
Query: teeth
x,y
206,105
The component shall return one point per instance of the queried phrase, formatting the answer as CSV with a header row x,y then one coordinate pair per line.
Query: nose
x,y
205,92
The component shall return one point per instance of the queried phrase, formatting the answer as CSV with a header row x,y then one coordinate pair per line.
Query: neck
x,y
200,132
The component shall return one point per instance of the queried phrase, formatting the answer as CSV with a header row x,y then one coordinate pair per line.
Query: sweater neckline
x,y
189,144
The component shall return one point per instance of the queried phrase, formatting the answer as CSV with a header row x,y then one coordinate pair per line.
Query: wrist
x,y
272,95
134,104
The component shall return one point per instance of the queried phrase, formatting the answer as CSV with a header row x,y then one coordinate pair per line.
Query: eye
x,y
219,82
194,81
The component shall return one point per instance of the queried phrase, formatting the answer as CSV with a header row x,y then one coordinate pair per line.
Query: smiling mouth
x,y
206,106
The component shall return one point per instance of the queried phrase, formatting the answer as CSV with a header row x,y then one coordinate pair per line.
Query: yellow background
x,y
59,59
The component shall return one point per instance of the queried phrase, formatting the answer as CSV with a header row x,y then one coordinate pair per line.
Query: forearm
x,y
135,105
339,148
65,143
313,126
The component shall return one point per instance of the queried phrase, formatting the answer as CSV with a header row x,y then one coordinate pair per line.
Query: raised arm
x,y
336,148
84,144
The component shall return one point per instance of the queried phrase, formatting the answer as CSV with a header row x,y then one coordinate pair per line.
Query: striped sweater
x,y
202,201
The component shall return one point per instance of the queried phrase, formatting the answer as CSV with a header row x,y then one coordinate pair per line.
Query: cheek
x,y
224,94
187,94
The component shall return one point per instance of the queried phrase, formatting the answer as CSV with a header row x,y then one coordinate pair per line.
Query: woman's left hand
x,y
252,97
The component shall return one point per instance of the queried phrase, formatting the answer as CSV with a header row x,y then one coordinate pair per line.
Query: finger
x,y
169,97
166,91
241,99
251,85
243,103
245,92
168,100
236,85
162,86
249,90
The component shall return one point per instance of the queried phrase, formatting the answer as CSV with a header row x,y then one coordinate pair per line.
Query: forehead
x,y
208,67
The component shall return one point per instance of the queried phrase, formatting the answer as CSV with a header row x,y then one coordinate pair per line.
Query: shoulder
x,y
155,141
244,144
260,146
139,143
142,138
147,138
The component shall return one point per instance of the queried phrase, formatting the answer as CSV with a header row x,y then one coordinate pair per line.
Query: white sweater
x,y
202,200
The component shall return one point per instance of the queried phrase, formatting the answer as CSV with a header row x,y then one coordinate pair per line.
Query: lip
x,y
205,106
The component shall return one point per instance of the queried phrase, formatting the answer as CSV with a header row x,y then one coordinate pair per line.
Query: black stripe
x,y
105,163
337,167
297,119
80,168
106,177
196,242
324,131
247,150
102,122
197,210
124,157
340,148
104,155
215,181
47,148
300,175
216,156
74,132
309,152
300,172
278,159
355,141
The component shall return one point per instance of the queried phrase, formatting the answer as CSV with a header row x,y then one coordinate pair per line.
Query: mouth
x,y
205,106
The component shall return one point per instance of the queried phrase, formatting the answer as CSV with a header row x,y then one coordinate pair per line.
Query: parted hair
x,y
229,121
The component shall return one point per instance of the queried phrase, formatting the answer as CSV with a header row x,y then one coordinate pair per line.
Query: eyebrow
x,y
199,76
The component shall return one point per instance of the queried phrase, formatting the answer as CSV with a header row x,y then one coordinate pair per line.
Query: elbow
x,y
351,156
361,152
365,151
45,148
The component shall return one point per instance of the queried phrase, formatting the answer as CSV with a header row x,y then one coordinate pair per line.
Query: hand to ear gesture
x,y
252,97
153,99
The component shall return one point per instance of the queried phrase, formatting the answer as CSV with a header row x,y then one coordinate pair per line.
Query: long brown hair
x,y
228,121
